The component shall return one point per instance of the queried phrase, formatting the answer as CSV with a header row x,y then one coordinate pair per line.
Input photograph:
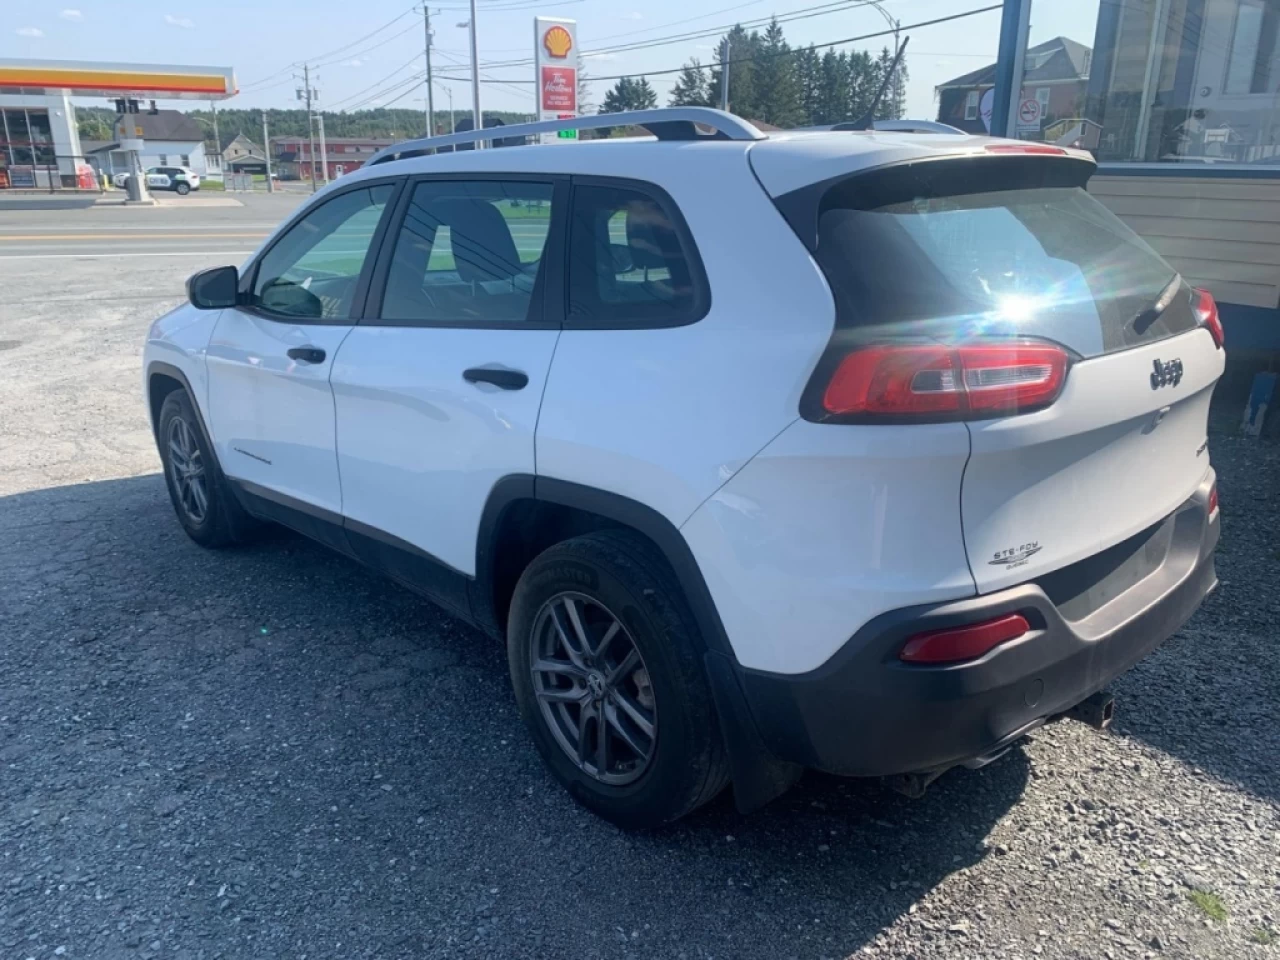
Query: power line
x,y
785,53
330,53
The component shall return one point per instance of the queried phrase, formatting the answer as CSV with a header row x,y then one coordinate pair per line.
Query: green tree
x,y
809,77
833,97
691,88
743,48
893,103
779,97
864,81
629,94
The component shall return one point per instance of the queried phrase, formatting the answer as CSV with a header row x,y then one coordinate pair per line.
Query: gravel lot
x,y
270,752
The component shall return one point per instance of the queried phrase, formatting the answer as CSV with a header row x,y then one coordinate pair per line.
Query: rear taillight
x,y
945,382
963,643
1207,313
1034,148
1213,499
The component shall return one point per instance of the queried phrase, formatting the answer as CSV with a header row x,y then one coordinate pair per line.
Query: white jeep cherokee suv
x,y
860,451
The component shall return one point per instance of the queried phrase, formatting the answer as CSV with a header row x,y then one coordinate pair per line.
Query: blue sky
x,y
260,40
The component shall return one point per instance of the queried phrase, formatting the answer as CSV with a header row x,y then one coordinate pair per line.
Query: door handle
x,y
306,354
506,379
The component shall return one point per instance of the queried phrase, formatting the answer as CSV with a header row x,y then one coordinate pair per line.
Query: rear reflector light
x,y
1207,313
1040,148
921,380
963,643
1213,499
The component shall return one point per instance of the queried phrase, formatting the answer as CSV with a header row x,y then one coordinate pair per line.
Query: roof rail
x,y
667,123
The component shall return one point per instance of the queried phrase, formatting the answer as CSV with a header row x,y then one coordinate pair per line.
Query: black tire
x,y
183,189
222,521
624,573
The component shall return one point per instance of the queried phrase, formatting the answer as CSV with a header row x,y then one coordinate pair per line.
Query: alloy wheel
x,y
189,475
593,689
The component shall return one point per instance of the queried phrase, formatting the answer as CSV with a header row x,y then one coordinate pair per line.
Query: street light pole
x,y
896,26
431,109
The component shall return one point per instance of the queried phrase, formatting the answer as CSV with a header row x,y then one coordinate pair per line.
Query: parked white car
x,y
860,451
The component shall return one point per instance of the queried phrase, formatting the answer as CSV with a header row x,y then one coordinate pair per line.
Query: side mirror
x,y
214,289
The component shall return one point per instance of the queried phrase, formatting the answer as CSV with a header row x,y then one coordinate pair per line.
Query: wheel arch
x,y
525,515
162,379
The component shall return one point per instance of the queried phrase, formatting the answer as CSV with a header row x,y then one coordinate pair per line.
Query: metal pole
x,y
266,152
217,140
453,121
724,77
324,151
475,76
431,107
311,133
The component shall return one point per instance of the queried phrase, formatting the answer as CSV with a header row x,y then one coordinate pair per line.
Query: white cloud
x,y
73,15
186,23
633,15
30,32
357,62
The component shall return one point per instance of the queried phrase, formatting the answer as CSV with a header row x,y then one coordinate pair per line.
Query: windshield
x,y
1041,261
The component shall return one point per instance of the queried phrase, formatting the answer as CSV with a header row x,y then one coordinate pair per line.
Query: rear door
x,y
1007,249
437,389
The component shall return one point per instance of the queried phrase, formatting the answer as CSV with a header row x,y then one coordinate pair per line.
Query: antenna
x,y
868,118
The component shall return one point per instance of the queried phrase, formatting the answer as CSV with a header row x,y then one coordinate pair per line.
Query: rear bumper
x,y
865,713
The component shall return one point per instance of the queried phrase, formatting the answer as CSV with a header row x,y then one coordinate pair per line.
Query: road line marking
x,y
121,256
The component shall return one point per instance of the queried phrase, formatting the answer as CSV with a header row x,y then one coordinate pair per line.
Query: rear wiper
x,y
1144,318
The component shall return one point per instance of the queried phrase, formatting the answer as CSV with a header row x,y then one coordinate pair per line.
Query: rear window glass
x,y
1040,261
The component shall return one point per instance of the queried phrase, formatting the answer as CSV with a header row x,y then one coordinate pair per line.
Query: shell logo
x,y
558,42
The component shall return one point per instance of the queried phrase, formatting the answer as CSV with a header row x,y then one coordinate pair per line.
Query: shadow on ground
x,y
270,749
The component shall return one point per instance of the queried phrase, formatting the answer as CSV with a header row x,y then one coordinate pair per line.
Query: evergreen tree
x,y
743,49
864,81
584,90
691,89
809,77
834,91
779,97
628,94
892,103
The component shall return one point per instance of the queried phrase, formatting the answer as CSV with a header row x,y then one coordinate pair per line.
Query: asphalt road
x,y
270,752
199,225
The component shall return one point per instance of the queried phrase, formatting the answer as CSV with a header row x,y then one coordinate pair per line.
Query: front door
x,y
270,405
437,390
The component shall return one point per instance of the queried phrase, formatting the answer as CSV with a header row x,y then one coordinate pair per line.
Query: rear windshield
x,y
952,252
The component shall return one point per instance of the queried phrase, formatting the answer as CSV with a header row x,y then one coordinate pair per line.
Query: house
x,y
1056,77
170,138
242,155
292,155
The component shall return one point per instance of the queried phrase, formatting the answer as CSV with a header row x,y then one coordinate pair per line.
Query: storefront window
x,y
25,142
1187,81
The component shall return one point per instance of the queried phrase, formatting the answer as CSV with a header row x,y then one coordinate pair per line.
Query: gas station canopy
x,y
116,80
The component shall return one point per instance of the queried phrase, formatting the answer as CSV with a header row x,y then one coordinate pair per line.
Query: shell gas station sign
x,y
556,69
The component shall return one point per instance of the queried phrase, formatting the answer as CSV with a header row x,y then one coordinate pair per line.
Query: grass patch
x,y
1263,936
1210,904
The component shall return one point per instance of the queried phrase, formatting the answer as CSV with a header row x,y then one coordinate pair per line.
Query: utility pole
x,y
266,152
431,107
475,77
724,77
324,151
217,140
311,133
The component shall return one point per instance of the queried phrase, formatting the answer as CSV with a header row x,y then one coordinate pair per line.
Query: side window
x,y
469,252
312,271
628,264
